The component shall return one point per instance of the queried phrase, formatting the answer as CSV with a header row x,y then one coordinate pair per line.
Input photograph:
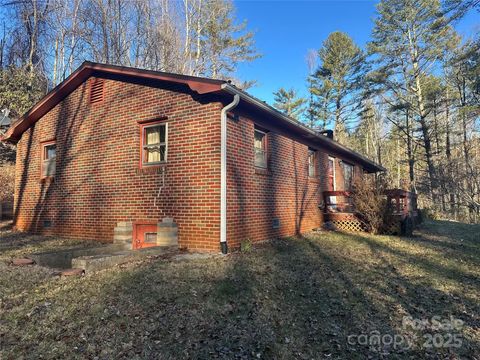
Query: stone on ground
x,y
72,272
22,262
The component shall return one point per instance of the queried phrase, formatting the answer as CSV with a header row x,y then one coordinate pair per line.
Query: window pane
x,y
48,167
152,135
153,154
162,133
150,238
260,149
259,140
50,151
163,152
348,176
260,158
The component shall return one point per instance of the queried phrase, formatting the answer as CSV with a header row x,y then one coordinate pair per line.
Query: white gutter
x,y
223,173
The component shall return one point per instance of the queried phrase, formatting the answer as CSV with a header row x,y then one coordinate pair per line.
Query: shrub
x,y
7,153
431,214
7,181
371,204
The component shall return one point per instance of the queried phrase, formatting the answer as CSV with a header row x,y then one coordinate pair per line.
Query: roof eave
x,y
87,69
369,165
54,96
197,84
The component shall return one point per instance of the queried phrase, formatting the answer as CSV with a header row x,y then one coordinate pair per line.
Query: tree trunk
x,y
448,154
410,156
422,112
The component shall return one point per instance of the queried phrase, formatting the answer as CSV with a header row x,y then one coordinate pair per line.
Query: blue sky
x,y
286,30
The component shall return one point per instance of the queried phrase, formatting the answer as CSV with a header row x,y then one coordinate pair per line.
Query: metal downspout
x,y
223,174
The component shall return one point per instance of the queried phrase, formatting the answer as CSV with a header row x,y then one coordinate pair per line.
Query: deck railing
x,y
404,203
338,201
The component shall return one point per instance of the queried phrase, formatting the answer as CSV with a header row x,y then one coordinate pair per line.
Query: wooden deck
x,y
339,211
340,214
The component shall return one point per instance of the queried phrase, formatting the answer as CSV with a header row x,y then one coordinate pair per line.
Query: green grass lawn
x,y
315,297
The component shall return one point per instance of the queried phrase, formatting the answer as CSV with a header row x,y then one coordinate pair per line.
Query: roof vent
x,y
96,90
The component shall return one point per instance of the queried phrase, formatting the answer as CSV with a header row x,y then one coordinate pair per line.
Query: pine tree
x,y
408,39
338,80
288,102
224,42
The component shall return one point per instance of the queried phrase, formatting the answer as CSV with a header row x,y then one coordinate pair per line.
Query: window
x,y
347,176
49,155
154,144
331,174
311,162
150,238
260,145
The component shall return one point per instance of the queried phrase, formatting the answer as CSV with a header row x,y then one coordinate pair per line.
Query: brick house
x,y
114,146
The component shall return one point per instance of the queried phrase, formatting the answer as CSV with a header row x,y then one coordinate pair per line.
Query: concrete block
x,y
122,230
167,234
63,259
125,244
99,262
118,237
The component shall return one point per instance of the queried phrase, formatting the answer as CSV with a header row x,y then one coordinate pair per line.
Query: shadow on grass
x,y
6,225
294,298
18,240
432,267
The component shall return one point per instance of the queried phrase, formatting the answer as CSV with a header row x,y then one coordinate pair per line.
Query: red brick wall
x,y
98,181
284,192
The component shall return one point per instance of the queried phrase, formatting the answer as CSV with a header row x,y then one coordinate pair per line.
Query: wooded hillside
x,y
408,100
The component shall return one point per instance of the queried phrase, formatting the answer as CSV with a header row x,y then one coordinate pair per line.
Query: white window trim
x,y
144,128
265,150
46,162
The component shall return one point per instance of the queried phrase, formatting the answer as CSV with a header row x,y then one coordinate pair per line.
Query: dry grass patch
x,y
293,298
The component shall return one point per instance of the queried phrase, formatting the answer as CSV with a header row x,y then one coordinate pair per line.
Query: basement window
x,y
154,143
260,146
276,223
150,238
49,156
